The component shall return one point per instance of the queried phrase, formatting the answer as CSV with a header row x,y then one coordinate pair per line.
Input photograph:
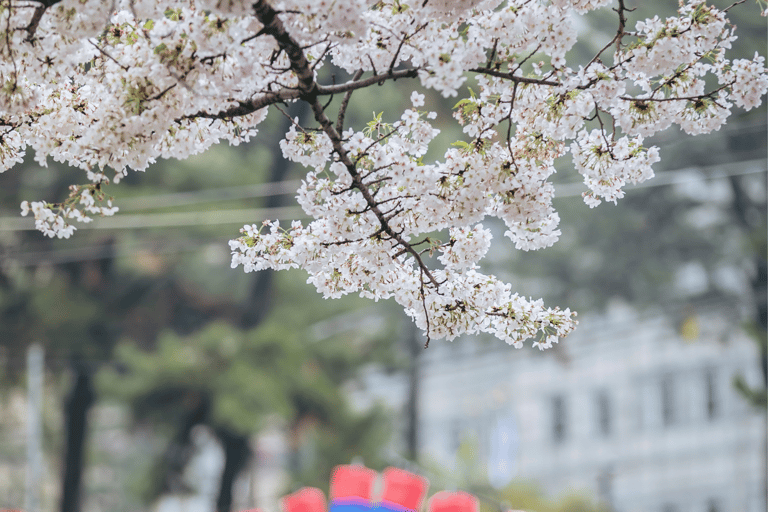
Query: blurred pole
x,y
414,378
34,427
253,483
76,408
237,452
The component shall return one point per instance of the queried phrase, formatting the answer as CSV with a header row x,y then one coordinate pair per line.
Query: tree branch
x,y
248,107
35,21
359,84
107,55
622,24
345,103
300,65
275,28
270,98
515,78
682,98
320,117
46,3
309,91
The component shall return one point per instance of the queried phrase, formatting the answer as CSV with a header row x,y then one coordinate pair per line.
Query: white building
x,y
626,409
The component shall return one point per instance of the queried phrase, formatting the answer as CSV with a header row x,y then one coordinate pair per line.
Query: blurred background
x,y
138,372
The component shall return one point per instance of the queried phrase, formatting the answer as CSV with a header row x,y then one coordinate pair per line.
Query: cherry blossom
x,y
111,87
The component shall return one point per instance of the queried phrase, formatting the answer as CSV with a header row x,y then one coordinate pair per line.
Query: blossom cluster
x,y
120,84
81,199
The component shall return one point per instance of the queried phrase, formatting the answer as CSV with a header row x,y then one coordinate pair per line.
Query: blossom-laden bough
x,y
118,84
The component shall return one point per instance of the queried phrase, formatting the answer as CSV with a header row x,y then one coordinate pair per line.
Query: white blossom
x,y
111,87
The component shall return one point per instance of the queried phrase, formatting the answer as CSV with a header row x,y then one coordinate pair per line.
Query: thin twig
x,y
734,4
107,55
424,305
309,92
622,23
329,130
345,102
515,78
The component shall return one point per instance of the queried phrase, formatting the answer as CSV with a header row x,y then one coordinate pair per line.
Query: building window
x,y
713,408
667,401
603,406
558,419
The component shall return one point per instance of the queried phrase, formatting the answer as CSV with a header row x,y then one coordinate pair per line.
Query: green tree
x,y
235,381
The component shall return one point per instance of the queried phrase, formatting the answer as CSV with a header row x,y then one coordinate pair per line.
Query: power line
x,y
101,252
210,196
251,215
170,220
243,216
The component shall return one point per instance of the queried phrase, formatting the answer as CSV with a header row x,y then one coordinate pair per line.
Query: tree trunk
x,y
76,408
742,205
179,449
236,454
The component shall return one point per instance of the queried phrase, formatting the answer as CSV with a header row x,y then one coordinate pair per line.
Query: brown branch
x,y
34,22
162,93
515,78
270,98
680,98
359,84
669,82
509,125
320,117
622,23
364,152
493,53
378,180
299,63
248,107
346,242
519,64
107,55
345,103
620,33
320,59
402,42
424,305
602,131
309,91
734,4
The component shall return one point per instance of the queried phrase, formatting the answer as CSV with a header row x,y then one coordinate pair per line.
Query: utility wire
x,y
210,196
170,220
243,216
101,252
254,215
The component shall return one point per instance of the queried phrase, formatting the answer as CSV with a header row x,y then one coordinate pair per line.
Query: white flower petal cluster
x,y
749,81
82,199
118,85
607,164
